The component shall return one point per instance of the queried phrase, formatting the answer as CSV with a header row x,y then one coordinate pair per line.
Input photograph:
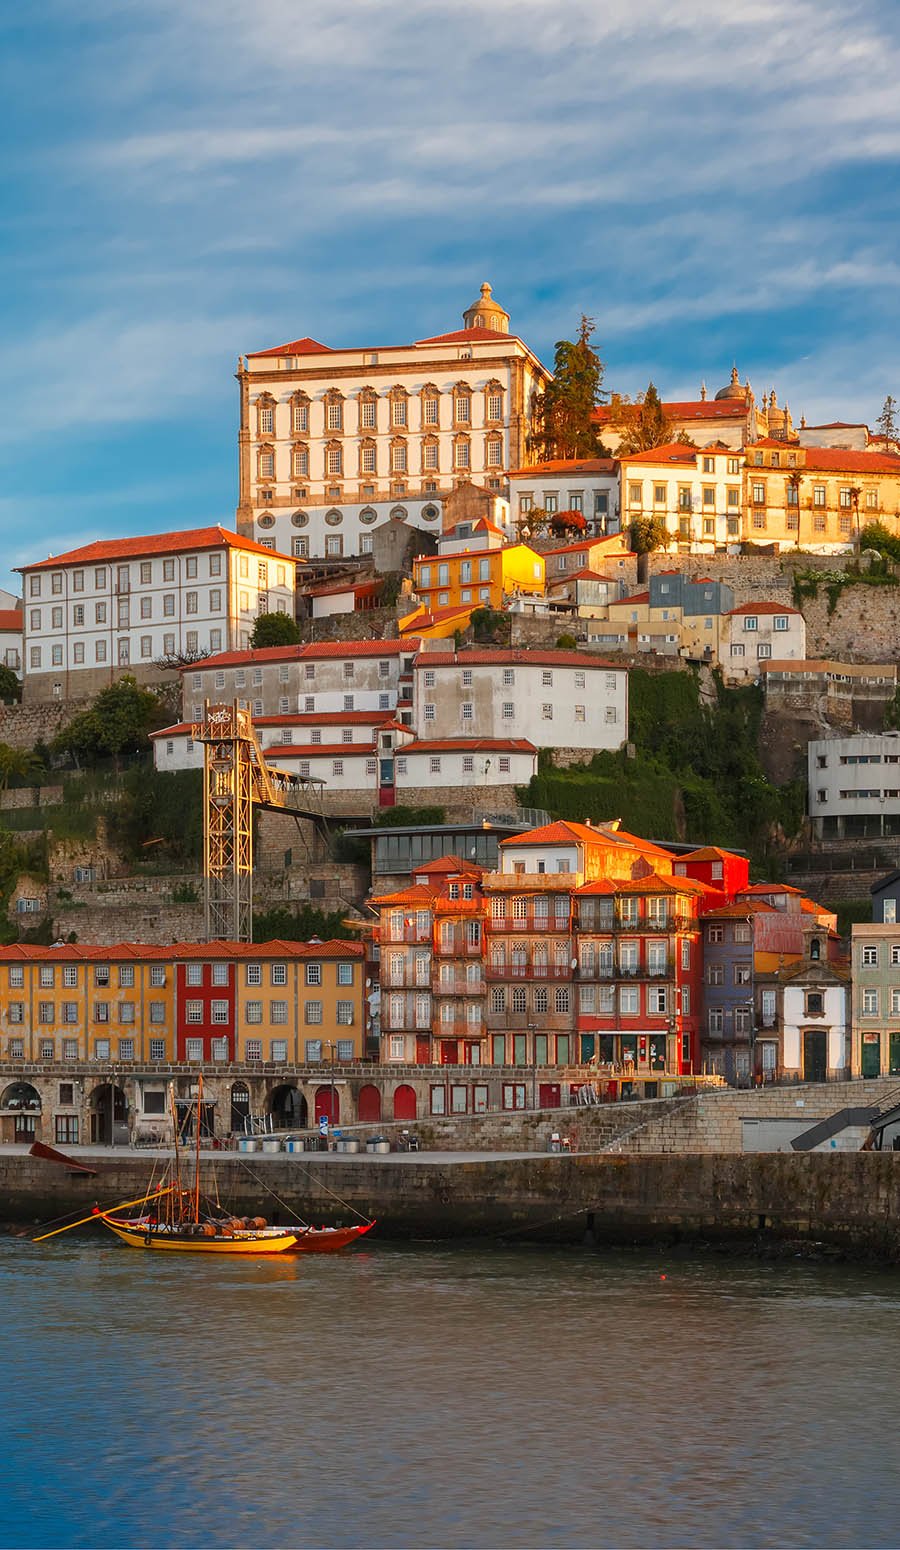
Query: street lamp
x,y
532,1027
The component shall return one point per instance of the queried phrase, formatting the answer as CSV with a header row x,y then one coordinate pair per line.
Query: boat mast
x,y
174,1109
197,1166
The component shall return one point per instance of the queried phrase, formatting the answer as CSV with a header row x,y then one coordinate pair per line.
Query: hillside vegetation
x,y
695,773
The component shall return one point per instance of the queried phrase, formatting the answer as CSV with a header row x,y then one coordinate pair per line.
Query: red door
x,y
324,1106
369,1106
423,1049
405,1103
449,1052
548,1095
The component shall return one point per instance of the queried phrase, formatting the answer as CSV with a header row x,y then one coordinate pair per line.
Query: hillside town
x,y
453,602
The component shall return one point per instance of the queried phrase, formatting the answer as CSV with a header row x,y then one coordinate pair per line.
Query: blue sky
x,y
189,179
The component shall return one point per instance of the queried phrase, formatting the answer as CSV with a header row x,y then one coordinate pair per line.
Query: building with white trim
x,y
854,785
754,634
138,605
335,441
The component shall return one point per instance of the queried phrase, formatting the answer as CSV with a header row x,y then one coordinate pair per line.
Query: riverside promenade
x,y
664,1171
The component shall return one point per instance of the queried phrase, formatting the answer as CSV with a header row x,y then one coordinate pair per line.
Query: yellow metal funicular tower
x,y
236,778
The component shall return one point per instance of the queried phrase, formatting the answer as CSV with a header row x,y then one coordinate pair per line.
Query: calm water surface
x,y
443,1397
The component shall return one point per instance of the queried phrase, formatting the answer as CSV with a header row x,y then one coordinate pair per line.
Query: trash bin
x,y
248,1144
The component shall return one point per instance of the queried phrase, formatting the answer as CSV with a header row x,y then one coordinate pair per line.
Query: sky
x,y
187,180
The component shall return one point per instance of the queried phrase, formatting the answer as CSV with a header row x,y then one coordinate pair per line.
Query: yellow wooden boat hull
x,y
141,1239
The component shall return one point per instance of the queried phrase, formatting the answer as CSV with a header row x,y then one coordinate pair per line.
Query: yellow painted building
x,y
86,1003
478,577
817,498
302,1002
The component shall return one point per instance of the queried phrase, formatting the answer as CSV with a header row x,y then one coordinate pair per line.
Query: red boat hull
x,y
328,1240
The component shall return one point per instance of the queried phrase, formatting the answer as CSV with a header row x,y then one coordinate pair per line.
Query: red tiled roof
x,y
565,832
512,658
131,951
320,750
12,620
304,346
452,864
469,745
471,336
324,651
158,543
709,853
334,588
585,574
636,597
753,888
653,883
736,911
425,621
763,608
416,894
833,459
562,465
600,885
669,452
587,543
685,409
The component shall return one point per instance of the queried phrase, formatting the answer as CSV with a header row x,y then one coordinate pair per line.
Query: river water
x,y
446,1396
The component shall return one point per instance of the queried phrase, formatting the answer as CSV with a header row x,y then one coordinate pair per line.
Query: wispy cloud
x,y
194,178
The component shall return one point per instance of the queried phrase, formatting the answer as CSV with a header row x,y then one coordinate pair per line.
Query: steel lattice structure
x,y
236,779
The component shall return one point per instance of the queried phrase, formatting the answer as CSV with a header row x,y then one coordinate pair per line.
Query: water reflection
x,y
446,1397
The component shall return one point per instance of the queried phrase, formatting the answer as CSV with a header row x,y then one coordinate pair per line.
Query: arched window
x,y
399,513
431,454
334,411
334,518
462,405
300,414
300,460
300,519
431,406
399,456
368,456
493,403
266,520
265,415
493,450
462,454
368,409
334,460
265,461
368,515
399,408
430,513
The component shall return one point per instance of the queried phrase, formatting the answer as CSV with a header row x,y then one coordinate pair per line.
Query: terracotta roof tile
x,y
764,608
304,346
514,658
470,745
110,549
324,651
12,620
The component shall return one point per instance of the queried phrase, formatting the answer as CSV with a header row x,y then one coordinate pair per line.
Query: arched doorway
x,y
21,1106
328,1105
240,1107
369,1104
405,1102
288,1107
109,1115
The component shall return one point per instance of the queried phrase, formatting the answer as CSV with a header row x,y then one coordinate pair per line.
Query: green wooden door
x,y
895,1054
871,1055
815,1055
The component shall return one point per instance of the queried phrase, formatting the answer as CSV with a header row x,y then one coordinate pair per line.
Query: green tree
x,y
118,722
563,414
19,765
887,420
648,533
644,424
490,627
274,630
10,688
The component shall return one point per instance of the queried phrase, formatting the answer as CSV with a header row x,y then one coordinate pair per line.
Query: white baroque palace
x,y
335,441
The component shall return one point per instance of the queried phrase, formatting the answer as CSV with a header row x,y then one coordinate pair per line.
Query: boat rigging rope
x,y
268,1188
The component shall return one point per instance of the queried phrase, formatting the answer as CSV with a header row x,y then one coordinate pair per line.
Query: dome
x,y
734,389
486,313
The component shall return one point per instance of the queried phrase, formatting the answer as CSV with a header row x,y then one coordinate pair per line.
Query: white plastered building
x,y
334,441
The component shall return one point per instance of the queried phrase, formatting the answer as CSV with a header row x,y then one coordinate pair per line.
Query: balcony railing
x,y
406,980
419,934
458,1029
611,972
528,971
458,986
531,922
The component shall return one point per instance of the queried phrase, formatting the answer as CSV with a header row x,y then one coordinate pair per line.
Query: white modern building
x,y
553,699
754,634
143,605
588,486
334,441
854,785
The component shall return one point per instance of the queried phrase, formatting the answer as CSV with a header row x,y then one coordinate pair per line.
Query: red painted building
x,y
205,999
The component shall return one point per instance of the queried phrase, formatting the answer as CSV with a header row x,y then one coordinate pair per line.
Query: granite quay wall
x,y
850,1201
